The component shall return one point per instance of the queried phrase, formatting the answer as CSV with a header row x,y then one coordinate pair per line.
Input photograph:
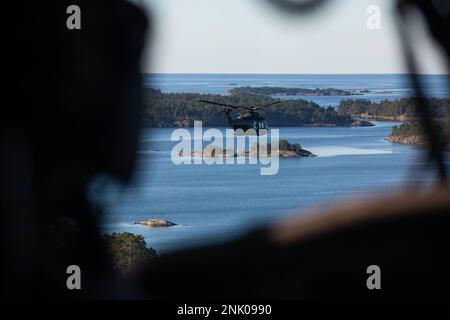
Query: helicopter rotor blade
x,y
272,103
249,108
220,104
255,108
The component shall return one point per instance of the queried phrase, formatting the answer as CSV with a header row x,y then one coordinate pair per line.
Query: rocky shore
x,y
413,140
361,123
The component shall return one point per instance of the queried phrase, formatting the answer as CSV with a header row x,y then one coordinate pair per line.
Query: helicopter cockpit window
x,y
343,113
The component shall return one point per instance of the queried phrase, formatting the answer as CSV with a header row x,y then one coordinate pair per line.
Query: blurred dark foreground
x,y
84,119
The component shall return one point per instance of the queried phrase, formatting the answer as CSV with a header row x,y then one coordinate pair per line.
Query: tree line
x,y
181,109
282,91
399,109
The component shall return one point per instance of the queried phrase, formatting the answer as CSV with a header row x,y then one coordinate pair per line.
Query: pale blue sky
x,y
248,36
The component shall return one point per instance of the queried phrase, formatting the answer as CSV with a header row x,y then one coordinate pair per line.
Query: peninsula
x,y
392,110
412,132
281,91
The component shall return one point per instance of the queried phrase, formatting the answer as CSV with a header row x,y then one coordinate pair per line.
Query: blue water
x,y
397,85
219,201
214,203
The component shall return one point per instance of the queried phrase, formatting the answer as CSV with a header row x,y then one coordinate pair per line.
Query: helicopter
x,y
247,117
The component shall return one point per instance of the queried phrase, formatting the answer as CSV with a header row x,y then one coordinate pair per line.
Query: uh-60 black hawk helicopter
x,y
247,117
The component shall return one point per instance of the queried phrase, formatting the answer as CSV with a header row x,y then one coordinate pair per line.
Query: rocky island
x,y
285,150
154,223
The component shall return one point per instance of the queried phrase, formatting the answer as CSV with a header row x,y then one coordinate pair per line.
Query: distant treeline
x,y
400,109
280,91
181,109
414,128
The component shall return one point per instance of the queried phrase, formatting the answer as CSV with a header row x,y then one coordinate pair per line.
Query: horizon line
x,y
296,74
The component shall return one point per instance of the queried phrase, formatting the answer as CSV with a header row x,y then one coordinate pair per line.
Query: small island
x,y
285,150
155,223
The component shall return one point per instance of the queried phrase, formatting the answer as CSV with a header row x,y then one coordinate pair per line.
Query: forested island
x,y
413,133
393,110
181,109
407,133
281,91
404,109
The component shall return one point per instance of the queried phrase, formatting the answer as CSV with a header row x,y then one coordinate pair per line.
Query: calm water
x,y
219,202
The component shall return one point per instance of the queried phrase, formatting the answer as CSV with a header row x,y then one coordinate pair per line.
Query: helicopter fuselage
x,y
246,121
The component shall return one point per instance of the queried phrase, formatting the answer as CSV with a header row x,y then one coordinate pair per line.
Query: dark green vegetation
x,y
408,129
129,252
280,91
412,132
181,109
407,133
400,109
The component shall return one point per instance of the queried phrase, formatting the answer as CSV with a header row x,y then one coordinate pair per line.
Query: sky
x,y
250,36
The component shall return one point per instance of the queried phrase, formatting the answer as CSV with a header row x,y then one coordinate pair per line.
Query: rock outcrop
x,y
210,151
361,123
414,140
156,223
285,150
